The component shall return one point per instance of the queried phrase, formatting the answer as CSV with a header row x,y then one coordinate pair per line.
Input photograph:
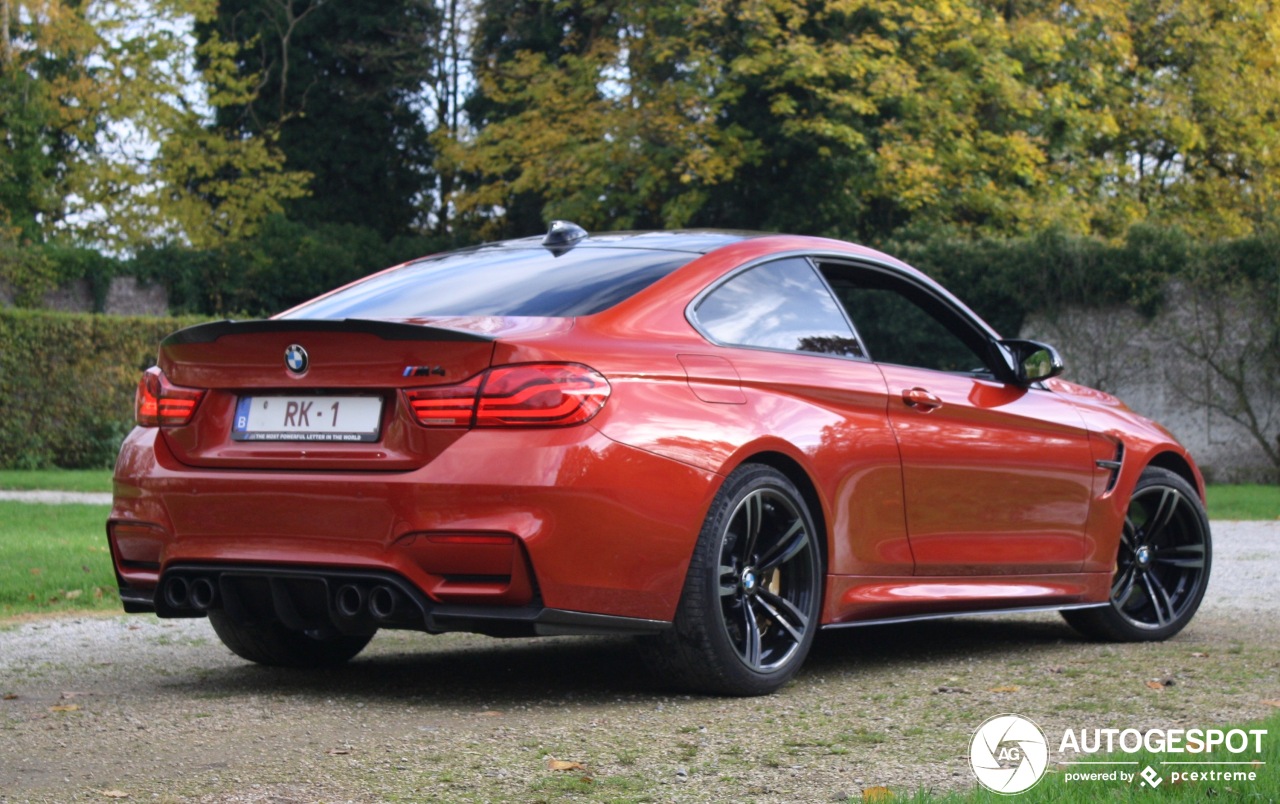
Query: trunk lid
x,y
250,365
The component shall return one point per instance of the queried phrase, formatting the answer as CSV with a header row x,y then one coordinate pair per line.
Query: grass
x,y
56,479
1055,787
54,558
1244,502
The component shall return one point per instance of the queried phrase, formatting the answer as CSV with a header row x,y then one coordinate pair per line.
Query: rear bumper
x,y
336,601
537,527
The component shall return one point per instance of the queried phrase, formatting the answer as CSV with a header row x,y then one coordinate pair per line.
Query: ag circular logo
x,y
1009,754
295,357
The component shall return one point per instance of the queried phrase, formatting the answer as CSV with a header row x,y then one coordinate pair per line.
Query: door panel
x,y
997,478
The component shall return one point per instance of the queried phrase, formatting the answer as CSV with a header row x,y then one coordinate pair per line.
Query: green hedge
x,y
282,265
1006,280
67,383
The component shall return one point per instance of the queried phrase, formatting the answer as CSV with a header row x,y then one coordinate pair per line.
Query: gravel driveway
x,y
97,708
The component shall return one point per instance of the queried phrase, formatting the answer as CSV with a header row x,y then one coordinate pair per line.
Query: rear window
x,y
502,281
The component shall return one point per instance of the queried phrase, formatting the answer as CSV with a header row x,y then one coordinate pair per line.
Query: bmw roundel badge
x,y
295,357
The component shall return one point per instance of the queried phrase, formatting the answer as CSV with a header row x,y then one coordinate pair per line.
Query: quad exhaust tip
x,y
350,602
383,603
176,592
202,594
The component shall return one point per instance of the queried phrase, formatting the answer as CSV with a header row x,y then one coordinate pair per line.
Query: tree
x,y
818,116
1196,103
39,141
341,86
874,117
103,122
601,112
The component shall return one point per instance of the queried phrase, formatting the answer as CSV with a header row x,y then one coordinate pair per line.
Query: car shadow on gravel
x,y
481,670
880,646
471,671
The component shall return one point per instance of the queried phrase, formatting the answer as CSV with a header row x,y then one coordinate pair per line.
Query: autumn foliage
x,y
193,121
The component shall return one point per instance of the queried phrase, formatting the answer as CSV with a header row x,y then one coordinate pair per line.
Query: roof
x,y
694,241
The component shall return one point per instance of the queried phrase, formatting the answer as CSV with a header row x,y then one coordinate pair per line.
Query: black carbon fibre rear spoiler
x,y
386,330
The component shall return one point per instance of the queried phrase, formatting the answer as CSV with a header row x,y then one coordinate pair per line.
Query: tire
x,y
274,645
1162,565
753,593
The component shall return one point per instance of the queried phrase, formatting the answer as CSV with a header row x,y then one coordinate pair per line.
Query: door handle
x,y
921,400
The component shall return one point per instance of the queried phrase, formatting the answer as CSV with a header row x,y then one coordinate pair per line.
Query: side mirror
x,y
1033,361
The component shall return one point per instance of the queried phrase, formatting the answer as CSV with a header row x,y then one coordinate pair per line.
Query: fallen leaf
x,y
36,571
564,765
113,794
9,696
74,593
1272,702
877,794
1009,688
1156,685
65,708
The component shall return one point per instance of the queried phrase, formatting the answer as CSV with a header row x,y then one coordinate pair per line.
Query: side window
x,y
901,323
778,305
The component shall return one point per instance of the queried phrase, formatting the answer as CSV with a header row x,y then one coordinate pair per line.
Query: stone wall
x,y
125,296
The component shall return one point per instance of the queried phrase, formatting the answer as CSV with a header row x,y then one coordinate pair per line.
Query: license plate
x,y
307,418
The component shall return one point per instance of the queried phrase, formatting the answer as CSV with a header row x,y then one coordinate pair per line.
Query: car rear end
x,y
343,475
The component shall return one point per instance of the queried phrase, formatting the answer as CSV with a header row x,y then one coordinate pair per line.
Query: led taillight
x,y
545,395
532,395
447,405
158,403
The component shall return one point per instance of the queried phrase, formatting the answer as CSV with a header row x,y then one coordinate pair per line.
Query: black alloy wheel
x,y
766,580
1162,565
753,595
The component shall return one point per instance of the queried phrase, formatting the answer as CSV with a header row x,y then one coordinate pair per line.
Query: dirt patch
x,y
161,711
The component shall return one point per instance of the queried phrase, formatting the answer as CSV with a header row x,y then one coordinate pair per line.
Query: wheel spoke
x,y
1186,556
751,635
1159,598
787,547
728,580
1170,499
1123,587
784,613
1128,539
753,512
